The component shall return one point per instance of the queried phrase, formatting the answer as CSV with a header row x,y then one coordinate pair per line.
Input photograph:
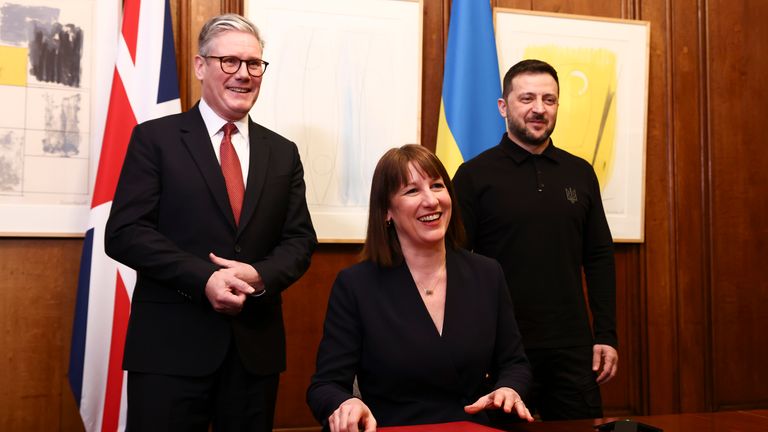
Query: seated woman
x,y
426,327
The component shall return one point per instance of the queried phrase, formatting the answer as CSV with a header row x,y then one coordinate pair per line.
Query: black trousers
x,y
564,385
231,399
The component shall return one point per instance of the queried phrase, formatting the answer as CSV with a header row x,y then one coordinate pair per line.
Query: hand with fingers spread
x,y
503,398
605,361
352,415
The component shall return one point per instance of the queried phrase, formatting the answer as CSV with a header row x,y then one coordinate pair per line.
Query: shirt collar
x,y
519,154
214,123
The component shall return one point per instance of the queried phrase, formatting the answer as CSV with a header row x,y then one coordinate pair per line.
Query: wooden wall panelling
x,y
633,305
602,8
659,290
179,13
738,65
623,395
304,306
36,313
233,6
434,36
513,4
689,215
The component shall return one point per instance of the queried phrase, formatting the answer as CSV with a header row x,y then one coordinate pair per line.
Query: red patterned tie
x,y
233,173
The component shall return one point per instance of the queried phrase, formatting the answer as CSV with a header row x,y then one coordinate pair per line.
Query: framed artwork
x,y
47,82
344,83
602,66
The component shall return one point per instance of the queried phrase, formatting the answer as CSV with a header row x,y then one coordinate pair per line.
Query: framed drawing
x,y
602,66
47,82
344,83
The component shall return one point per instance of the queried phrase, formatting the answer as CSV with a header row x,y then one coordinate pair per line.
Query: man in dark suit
x,y
210,210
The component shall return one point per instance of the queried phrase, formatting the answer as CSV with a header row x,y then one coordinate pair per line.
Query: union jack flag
x,y
144,86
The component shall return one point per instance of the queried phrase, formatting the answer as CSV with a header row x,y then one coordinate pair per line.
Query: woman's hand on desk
x,y
502,398
352,416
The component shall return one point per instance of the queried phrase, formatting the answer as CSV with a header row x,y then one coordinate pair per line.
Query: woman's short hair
x,y
392,173
224,23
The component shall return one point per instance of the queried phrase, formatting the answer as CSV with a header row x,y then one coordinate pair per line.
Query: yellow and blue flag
x,y
469,116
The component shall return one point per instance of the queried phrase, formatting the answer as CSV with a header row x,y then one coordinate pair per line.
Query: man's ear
x,y
199,64
502,107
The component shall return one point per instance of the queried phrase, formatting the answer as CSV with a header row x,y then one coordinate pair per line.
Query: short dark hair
x,y
530,66
381,244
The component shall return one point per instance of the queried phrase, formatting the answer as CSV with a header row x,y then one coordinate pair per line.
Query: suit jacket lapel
x,y
257,172
454,295
195,137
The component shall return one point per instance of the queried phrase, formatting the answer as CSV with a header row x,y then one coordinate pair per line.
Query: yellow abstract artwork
x,y
586,119
13,69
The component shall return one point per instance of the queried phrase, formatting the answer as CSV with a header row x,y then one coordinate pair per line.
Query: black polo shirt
x,y
542,218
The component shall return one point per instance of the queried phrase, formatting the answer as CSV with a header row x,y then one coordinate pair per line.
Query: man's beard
x,y
519,131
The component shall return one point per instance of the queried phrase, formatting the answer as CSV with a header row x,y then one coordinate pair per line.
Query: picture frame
x,y
337,88
51,127
602,66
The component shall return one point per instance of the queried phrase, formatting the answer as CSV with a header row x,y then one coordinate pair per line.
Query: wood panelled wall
x,y
692,298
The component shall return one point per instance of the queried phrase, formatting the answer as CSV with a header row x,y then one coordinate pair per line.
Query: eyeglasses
x,y
231,64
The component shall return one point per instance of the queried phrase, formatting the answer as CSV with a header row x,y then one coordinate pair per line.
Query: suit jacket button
x,y
238,249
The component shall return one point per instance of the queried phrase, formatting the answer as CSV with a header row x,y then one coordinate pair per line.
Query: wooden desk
x,y
723,421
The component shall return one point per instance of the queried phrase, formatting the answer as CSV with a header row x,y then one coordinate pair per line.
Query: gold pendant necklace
x,y
438,275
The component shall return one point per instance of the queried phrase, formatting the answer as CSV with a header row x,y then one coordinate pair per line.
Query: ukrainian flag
x,y
469,118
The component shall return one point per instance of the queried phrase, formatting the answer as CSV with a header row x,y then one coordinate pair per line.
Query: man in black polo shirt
x,y
537,210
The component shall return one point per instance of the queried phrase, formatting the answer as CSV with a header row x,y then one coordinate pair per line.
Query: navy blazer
x,y
170,210
378,329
